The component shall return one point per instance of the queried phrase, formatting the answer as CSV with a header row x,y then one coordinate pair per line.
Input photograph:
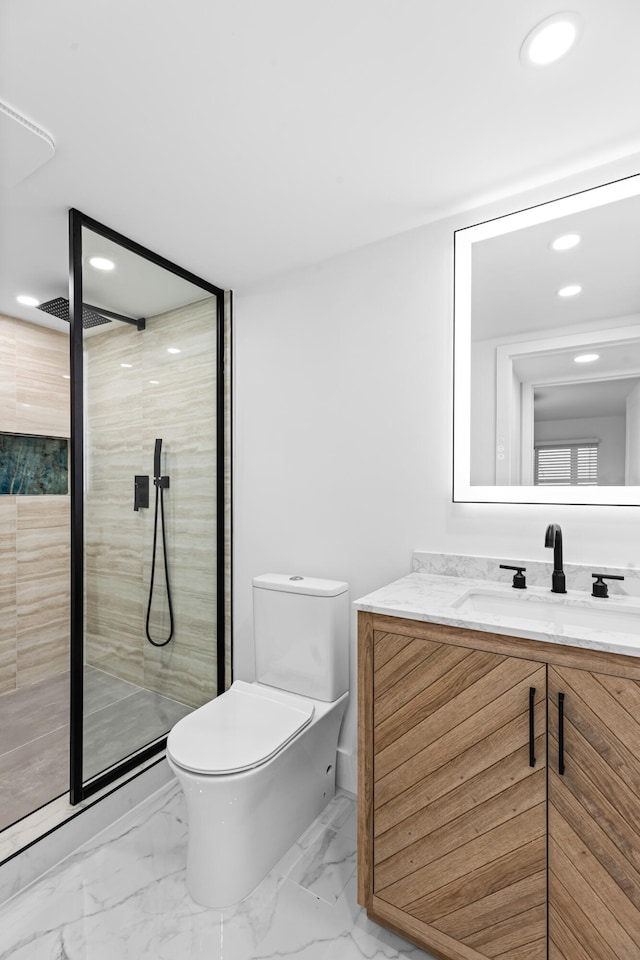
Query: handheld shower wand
x,y
161,484
156,460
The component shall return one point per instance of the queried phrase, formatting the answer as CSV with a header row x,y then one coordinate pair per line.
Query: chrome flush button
x,y
296,578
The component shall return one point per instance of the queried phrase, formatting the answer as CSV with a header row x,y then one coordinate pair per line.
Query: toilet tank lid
x,y
293,583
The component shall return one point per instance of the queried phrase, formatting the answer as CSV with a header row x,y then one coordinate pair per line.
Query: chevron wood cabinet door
x,y
453,820
594,816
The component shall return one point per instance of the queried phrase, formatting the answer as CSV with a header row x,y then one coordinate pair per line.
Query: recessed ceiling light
x,y
127,366
173,350
551,39
27,301
154,382
566,242
571,291
586,358
101,263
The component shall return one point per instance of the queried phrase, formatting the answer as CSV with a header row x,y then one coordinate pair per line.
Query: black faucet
x,y
553,538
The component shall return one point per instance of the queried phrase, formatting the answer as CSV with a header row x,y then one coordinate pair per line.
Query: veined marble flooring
x,y
120,718
123,896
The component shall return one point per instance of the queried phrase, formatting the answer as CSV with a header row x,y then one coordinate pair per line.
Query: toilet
x,y
257,764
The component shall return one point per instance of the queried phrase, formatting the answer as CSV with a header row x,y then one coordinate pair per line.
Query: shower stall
x,y
147,472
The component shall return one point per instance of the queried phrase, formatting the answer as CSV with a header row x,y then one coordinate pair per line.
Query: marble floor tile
x,y
326,866
341,814
123,896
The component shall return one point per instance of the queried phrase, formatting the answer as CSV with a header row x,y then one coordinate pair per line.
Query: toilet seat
x,y
240,729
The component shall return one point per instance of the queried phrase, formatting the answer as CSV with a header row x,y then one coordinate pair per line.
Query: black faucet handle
x,y
600,588
519,582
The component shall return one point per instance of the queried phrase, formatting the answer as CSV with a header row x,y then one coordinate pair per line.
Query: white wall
x,y
343,427
632,440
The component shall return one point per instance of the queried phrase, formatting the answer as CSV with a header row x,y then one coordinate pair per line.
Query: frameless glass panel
x,y
149,348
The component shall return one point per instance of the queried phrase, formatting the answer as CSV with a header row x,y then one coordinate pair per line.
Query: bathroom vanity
x,y
499,770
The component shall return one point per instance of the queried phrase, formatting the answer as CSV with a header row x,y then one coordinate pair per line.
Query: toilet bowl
x,y
257,764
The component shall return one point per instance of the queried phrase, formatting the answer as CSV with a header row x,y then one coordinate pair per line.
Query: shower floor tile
x,y
123,895
120,717
34,711
33,774
102,689
122,728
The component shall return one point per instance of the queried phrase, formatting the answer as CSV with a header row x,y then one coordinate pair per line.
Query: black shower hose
x,y
160,502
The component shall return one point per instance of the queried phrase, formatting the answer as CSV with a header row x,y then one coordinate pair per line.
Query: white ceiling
x,y
242,138
516,276
574,401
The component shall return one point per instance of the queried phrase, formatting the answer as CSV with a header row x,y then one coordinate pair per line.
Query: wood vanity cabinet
x,y
470,843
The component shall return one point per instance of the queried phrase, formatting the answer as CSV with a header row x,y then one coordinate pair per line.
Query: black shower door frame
x,y
79,790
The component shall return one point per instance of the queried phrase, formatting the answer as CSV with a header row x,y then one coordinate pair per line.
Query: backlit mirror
x,y
547,352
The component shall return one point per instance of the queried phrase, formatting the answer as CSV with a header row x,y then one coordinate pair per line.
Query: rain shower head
x,y
92,316
59,307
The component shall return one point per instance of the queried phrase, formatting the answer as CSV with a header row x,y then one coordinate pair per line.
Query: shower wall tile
x,y
42,587
115,621
184,672
7,593
127,413
42,393
7,374
34,531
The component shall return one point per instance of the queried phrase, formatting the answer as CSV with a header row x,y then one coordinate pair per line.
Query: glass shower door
x,y
148,542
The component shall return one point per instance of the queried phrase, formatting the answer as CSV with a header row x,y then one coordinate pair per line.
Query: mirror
x,y
547,352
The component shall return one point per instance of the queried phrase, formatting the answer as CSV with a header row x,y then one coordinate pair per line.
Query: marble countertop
x,y
441,599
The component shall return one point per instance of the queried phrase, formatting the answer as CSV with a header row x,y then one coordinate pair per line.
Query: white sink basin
x,y
606,615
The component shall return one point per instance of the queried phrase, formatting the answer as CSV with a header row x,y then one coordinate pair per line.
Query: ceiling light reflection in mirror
x,y
515,338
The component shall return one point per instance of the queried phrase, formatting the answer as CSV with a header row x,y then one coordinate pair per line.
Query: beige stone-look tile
x,y
118,654
126,415
182,672
42,392
43,538
34,396
42,587
8,524
7,375
33,711
42,351
33,775
8,669
44,656
114,624
38,411
114,589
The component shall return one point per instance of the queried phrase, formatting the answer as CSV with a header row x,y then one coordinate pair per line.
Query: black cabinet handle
x,y
561,734
532,735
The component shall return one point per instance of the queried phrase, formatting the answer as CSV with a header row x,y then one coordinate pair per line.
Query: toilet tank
x,y
301,631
